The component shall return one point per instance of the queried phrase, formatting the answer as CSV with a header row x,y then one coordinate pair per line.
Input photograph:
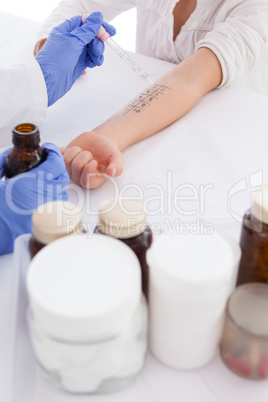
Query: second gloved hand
x,y
70,48
22,194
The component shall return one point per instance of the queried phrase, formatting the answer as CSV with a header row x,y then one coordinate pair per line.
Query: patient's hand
x,y
90,158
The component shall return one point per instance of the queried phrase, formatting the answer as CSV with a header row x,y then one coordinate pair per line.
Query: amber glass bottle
x,y
254,241
26,153
52,221
125,219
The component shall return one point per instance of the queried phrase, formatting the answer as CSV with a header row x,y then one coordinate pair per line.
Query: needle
x,y
104,36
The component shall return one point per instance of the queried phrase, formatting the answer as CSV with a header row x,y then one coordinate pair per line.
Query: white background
x,y
39,10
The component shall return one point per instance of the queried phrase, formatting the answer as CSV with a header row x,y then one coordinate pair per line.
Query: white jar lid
x,y
55,219
260,204
122,217
84,287
193,261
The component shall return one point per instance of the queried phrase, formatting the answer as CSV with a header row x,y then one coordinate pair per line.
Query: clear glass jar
x,y
93,365
244,343
87,317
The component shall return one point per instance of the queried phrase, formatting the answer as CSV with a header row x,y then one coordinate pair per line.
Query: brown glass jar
x,y
254,241
125,219
26,153
52,221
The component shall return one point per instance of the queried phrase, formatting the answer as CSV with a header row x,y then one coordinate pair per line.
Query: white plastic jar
x,y
190,280
87,317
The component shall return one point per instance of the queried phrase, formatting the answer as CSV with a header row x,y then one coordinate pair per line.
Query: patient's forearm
x,y
167,100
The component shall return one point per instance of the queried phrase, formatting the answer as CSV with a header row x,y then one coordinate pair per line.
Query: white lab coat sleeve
x,y
23,98
70,8
239,41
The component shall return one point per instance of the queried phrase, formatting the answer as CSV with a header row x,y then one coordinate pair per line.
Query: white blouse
x,y
235,30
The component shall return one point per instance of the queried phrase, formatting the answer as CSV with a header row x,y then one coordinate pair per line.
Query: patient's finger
x,y
91,177
116,165
78,164
63,150
69,155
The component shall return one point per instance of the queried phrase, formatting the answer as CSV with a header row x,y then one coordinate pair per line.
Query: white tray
x,y
24,382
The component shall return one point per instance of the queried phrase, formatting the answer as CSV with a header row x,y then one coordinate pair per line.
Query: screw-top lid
x,y
247,308
56,219
26,135
201,263
260,204
122,217
83,288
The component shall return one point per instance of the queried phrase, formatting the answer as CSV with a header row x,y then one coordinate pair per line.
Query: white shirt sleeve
x,y
70,8
240,40
23,98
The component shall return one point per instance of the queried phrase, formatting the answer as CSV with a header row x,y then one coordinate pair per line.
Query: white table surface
x,y
216,155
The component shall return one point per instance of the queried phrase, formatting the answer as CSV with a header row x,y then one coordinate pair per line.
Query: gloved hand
x,y
22,194
70,48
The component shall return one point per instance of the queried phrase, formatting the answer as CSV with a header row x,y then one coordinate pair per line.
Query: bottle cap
x,y
260,204
122,217
56,219
194,261
84,288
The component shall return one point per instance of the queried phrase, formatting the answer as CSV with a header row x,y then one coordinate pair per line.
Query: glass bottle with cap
x,y
125,219
52,221
254,240
26,153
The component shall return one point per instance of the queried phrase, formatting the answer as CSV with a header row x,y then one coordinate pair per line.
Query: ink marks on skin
x,y
139,104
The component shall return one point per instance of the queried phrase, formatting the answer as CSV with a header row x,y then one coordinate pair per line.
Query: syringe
x,y
104,36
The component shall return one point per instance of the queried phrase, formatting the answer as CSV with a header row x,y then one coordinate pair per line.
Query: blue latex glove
x,y
70,48
22,194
